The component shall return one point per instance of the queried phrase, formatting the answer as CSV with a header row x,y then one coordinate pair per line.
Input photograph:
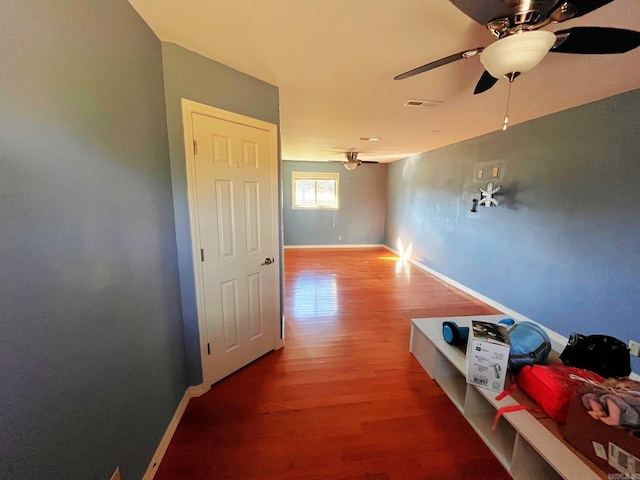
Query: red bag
x,y
553,386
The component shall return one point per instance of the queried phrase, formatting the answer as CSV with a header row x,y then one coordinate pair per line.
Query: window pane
x,y
326,193
305,194
315,190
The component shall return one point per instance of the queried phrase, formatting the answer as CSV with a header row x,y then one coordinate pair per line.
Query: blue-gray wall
x,y
563,248
360,220
191,76
92,363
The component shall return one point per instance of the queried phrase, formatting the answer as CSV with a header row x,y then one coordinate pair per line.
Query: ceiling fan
x,y
353,161
521,45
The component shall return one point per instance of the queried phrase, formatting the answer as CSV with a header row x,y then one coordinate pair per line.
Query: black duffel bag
x,y
607,356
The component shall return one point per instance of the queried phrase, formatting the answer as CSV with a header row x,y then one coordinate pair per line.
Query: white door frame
x,y
190,107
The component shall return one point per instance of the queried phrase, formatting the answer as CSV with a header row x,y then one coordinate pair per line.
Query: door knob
x,y
267,261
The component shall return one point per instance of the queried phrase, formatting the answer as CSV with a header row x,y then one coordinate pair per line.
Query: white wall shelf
x,y
525,447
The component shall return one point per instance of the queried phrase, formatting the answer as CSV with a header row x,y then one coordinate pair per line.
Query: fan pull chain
x,y
506,113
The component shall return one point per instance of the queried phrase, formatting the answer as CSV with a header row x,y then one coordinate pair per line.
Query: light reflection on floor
x,y
393,259
402,266
315,296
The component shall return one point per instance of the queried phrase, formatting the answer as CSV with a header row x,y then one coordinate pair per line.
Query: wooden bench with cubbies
x,y
529,446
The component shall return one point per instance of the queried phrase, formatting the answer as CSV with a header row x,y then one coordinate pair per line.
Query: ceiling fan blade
x,y
596,40
582,7
485,83
368,161
485,11
438,63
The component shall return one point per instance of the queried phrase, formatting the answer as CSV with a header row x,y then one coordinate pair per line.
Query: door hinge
x,y
208,349
202,254
195,147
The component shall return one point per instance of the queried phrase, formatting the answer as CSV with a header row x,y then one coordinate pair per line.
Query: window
x,y
315,191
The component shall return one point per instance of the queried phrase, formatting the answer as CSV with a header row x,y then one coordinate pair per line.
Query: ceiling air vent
x,y
422,103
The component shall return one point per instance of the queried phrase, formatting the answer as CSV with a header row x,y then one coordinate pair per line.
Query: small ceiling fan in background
x,y
521,45
353,161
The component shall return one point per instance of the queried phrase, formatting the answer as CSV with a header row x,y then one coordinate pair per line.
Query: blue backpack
x,y
529,344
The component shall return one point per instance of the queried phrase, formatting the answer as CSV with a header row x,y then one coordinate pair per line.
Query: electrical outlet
x,y
116,474
339,238
634,348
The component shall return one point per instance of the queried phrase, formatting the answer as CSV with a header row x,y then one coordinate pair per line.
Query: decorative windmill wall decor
x,y
487,199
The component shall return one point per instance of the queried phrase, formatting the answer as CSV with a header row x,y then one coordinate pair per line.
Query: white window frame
x,y
313,176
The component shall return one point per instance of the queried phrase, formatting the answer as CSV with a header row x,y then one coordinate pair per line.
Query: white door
x,y
235,177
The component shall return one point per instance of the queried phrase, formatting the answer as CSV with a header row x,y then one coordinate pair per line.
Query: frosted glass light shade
x,y
350,165
517,53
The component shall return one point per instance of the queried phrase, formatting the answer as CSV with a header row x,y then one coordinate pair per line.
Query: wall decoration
x,y
487,197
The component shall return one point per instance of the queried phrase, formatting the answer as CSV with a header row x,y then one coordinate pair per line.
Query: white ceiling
x,y
334,63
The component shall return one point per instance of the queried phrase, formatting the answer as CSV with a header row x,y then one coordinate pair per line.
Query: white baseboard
x,y
558,342
198,390
190,393
351,245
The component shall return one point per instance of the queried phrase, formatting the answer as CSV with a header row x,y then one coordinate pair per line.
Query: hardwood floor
x,y
344,399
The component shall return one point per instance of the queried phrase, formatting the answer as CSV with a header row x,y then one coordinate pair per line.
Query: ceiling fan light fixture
x,y
517,53
350,165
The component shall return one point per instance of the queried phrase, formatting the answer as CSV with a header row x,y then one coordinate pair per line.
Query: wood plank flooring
x,y
344,399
